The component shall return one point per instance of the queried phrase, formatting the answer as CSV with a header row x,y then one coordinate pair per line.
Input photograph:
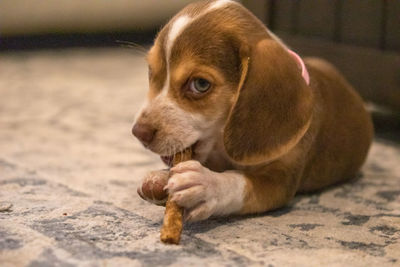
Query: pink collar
x,y
302,66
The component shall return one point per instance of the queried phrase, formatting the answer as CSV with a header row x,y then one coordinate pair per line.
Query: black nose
x,y
144,132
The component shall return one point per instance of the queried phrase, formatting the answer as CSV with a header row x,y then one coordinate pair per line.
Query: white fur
x,y
204,193
182,127
218,4
177,27
191,126
182,121
164,90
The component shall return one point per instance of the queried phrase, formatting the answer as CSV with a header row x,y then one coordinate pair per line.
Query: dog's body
x,y
261,130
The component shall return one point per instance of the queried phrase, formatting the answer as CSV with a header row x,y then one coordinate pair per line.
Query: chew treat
x,y
173,223
173,217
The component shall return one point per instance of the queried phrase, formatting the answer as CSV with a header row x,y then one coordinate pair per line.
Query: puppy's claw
x,y
168,186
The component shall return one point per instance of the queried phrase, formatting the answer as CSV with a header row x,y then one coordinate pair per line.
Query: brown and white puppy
x,y
260,127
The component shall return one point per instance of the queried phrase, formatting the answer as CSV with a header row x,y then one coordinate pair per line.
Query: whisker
x,y
139,48
175,149
181,149
169,152
173,152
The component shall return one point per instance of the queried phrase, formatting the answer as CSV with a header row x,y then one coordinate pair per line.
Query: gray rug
x,y
70,167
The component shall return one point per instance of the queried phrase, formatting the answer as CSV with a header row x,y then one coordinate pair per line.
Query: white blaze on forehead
x,y
177,27
218,4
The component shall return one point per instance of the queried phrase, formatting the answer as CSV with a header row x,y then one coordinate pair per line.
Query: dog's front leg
x,y
204,193
269,188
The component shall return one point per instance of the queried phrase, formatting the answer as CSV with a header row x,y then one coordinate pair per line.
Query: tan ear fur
x,y
272,109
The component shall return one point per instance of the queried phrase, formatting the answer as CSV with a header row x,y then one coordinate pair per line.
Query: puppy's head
x,y
217,75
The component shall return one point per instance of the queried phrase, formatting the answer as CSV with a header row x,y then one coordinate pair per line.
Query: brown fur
x,y
284,135
275,96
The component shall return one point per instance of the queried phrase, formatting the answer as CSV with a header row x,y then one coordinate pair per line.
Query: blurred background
x,y
47,23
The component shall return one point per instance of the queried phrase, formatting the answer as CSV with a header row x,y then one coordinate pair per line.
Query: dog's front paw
x,y
198,190
152,187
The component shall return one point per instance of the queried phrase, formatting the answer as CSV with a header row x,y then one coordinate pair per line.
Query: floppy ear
x,y
273,106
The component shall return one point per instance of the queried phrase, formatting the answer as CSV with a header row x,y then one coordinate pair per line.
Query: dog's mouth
x,y
169,158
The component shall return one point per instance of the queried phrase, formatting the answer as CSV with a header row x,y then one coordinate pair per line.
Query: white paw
x,y
203,193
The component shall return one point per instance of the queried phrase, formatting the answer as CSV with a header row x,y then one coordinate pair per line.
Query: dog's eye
x,y
200,85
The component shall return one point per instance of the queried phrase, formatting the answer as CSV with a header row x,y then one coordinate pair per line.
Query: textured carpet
x,y
70,167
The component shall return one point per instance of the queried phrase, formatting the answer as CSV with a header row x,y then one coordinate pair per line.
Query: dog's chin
x,y
199,152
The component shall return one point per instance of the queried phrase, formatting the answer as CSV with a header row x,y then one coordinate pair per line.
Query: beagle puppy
x,y
262,123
